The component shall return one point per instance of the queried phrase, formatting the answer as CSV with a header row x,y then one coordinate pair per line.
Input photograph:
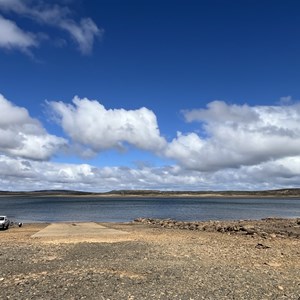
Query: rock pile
x,y
266,228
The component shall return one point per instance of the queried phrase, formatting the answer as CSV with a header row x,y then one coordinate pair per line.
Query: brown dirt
x,y
154,263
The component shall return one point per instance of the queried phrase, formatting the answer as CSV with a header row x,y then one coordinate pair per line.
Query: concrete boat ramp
x,y
81,231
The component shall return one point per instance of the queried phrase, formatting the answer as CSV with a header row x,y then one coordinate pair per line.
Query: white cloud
x,y
241,148
20,174
23,136
236,135
286,100
89,123
83,32
219,111
24,174
11,36
12,5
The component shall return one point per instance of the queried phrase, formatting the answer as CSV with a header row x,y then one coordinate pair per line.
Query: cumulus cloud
x,y
237,135
219,111
83,32
238,147
89,123
11,36
24,174
23,136
21,174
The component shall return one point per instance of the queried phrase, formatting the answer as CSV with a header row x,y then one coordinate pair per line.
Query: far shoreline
x,y
119,194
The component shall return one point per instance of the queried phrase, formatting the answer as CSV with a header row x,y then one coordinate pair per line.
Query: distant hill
x,y
295,192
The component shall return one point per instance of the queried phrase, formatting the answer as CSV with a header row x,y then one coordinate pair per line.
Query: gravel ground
x,y
154,263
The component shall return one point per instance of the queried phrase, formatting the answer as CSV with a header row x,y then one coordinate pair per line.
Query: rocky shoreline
x,y
265,228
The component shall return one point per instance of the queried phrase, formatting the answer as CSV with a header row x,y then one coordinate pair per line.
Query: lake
x,y
59,209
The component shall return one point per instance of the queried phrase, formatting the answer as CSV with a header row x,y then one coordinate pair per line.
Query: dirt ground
x,y
151,262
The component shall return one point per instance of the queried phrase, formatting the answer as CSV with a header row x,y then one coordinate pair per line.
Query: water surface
x,y
59,209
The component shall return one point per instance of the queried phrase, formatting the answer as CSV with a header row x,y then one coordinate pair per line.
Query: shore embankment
x,y
218,260
279,193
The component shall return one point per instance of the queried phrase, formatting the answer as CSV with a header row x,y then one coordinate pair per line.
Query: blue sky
x,y
185,95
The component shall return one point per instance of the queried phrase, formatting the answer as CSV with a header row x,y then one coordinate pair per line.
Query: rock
x,y
273,264
262,246
221,229
192,227
247,227
264,235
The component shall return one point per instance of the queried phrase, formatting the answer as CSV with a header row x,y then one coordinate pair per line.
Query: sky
x,y
102,95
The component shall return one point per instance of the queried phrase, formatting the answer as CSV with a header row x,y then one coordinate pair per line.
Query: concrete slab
x,y
67,230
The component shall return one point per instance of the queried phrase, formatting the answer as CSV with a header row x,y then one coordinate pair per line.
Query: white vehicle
x,y
4,222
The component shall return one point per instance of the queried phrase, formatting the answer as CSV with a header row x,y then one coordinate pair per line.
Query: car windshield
x,y
1,218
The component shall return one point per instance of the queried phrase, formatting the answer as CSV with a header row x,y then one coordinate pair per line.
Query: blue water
x,y
51,209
